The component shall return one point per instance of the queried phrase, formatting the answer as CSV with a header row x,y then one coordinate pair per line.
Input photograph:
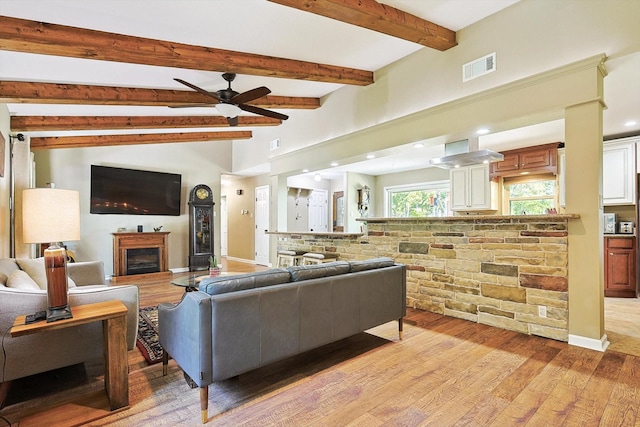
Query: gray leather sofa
x,y
238,323
32,354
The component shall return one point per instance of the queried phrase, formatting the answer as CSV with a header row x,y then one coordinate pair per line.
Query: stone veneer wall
x,y
492,270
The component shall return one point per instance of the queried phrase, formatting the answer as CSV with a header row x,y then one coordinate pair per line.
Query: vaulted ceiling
x,y
82,73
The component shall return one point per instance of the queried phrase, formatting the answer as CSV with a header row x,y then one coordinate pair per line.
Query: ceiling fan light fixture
x,y
228,110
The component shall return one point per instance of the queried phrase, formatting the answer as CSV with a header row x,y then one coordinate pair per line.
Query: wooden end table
x,y
113,315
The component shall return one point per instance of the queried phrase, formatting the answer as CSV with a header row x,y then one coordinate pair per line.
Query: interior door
x,y
319,210
262,225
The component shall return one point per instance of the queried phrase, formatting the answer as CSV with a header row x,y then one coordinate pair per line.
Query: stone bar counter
x,y
504,271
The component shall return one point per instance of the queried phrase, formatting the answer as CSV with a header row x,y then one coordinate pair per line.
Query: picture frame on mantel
x,y
2,150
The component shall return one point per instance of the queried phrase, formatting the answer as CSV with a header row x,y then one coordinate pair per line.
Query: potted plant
x,y
214,268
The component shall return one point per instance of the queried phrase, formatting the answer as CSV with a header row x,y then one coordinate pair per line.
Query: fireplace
x,y
142,260
141,253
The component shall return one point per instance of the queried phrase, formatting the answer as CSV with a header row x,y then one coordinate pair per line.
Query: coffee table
x,y
192,281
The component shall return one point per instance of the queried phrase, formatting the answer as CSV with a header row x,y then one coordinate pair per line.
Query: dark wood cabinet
x,y
538,159
620,267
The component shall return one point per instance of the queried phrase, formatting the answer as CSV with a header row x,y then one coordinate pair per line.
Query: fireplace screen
x,y
143,260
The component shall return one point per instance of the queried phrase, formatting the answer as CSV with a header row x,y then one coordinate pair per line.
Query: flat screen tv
x,y
134,192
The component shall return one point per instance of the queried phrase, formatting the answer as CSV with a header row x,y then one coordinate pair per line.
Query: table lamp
x,y
51,216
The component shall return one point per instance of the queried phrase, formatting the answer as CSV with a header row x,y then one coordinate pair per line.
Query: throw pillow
x,y
21,280
35,269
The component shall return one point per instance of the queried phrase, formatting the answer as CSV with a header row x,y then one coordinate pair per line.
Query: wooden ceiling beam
x,y
57,93
65,123
381,18
43,143
21,35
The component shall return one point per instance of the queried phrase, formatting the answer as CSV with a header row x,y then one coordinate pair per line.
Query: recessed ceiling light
x,y
371,156
334,164
631,123
482,131
317,177
418,145
305,170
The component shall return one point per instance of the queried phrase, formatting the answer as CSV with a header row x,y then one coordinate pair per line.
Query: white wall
x,y
198,163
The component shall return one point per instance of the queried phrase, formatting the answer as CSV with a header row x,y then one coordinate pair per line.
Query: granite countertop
x,y
618,235
553,217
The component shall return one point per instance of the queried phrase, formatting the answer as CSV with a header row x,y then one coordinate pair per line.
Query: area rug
x,y
148,341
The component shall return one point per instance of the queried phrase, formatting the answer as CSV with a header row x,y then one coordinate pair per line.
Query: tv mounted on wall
x,y
134,192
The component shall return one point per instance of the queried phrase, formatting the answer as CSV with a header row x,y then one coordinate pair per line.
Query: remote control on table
x,y
32,318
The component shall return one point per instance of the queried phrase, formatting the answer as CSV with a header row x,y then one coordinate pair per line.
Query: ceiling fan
x,y
231,102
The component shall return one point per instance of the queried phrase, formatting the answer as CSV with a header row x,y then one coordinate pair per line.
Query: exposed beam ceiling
x,y
55,93
151,138
47,123
21,35
379,17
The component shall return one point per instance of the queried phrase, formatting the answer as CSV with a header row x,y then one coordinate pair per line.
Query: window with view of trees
x,y
530,196
418,200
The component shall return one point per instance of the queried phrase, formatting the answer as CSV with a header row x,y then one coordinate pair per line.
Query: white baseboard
x,y
590,343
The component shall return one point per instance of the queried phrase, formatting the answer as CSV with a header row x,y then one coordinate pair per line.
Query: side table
x,y
114,332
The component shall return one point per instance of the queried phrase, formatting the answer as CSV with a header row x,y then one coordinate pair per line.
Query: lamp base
x,y
61,313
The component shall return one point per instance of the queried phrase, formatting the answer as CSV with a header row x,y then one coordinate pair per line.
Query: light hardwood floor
x,y
445,372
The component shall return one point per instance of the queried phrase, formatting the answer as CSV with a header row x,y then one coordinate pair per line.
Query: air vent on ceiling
x,y
479,67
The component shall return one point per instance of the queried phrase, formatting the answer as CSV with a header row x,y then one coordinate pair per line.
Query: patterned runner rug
x,y
147,340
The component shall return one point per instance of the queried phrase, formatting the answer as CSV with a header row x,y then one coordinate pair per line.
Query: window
x,y
418,200
530,195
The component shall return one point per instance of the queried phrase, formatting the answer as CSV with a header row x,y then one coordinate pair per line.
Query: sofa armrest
x,y
86,272
128,294
185,333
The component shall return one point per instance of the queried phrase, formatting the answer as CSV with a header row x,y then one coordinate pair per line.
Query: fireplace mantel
x,y
125,241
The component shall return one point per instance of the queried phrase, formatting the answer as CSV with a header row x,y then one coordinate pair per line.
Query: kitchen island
x,y
504,271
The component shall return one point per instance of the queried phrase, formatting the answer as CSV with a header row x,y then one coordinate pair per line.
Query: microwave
x,y
609,223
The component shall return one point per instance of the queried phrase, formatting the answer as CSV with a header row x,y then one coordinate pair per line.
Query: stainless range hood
x,y
465,153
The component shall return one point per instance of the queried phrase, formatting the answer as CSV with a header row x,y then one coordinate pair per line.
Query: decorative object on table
x,y
157,229
51,216
200,227
214,268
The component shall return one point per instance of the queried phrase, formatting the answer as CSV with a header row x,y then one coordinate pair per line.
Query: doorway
x,y
319,211
262,225
224,249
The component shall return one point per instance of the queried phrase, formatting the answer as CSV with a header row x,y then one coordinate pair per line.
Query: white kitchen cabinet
x,y
619,172
471,188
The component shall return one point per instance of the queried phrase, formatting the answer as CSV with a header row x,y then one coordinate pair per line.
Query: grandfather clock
x,y
200,227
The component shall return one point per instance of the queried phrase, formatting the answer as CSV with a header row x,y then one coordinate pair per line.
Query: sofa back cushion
x,y
314,271
370,264
225,284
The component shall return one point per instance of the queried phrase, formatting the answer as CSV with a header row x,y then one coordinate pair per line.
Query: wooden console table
x,y
150,240
114,326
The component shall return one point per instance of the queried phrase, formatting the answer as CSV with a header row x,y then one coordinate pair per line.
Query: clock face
x,y
202,193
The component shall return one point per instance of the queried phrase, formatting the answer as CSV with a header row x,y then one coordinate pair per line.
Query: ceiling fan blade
x,y
263,112
199,89
193,105
250,95
233,121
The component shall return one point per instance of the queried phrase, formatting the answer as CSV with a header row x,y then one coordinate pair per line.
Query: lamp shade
x,y
50,215
228,110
